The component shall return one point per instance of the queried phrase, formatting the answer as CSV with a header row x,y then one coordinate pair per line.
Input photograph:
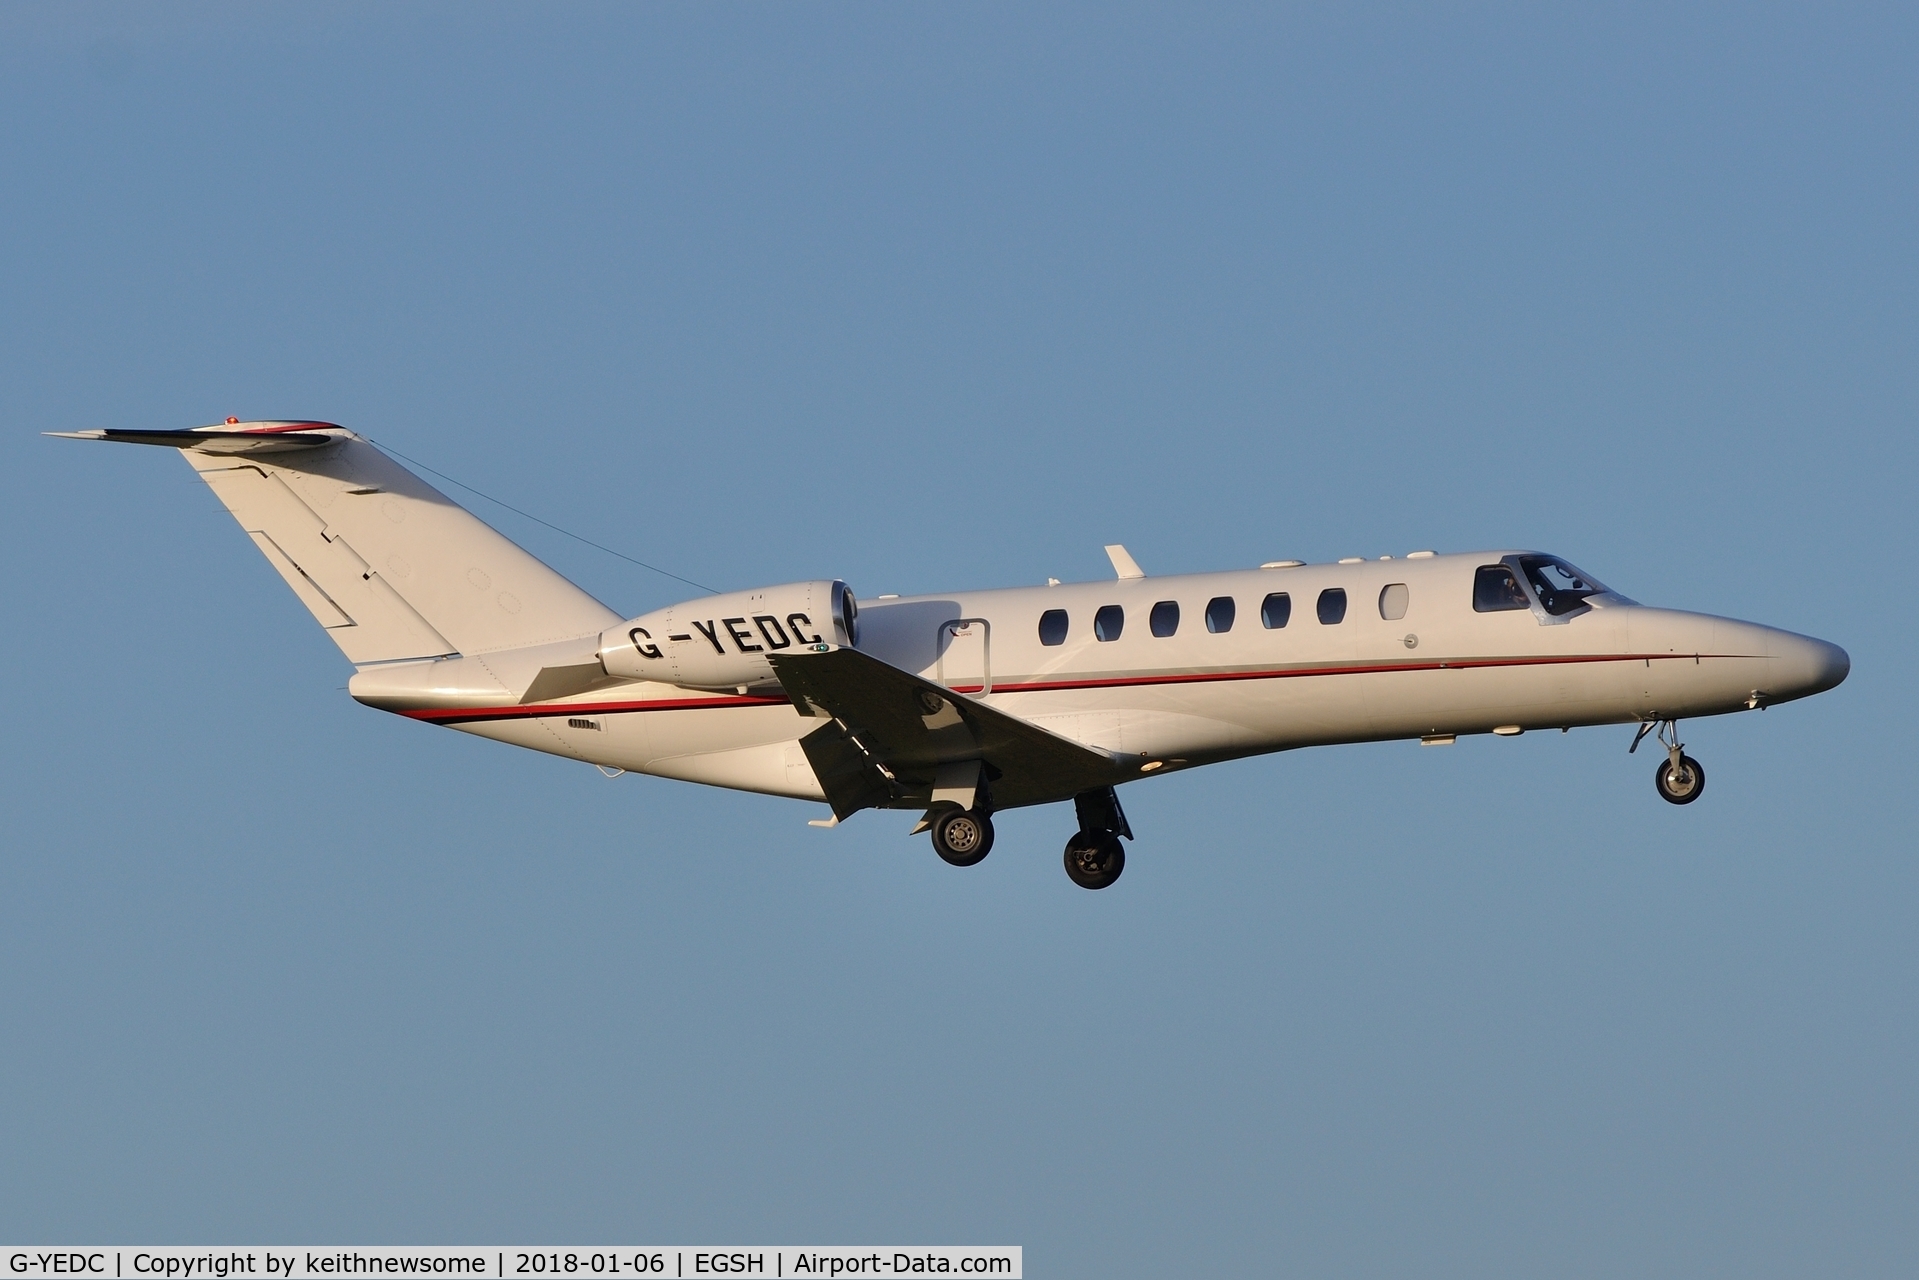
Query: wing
x,y
890,731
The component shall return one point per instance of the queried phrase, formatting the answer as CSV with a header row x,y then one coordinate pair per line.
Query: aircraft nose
x,y
1803,666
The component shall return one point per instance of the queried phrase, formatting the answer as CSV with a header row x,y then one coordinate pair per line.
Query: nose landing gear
x,y
1680,779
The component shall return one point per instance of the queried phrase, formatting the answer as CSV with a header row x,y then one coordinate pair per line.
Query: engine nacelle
x,y
722,642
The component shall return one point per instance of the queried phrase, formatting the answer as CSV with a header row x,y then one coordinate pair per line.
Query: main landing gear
x,y
1094,856
963,837
1094,859
1680,779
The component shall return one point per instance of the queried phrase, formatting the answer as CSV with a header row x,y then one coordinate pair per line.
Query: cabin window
x,y
1165,618
1495,589
1052,627
1276,610
1332,606
1560,587
1109,622
1219,614
1392,602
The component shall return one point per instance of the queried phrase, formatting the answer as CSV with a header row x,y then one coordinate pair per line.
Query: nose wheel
x,y
1680,779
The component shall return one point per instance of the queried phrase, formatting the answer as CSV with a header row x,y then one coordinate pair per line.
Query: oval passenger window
x,y
1392,602
1219,614
1276,610
1052,627
1108,622
1165,618
1332,606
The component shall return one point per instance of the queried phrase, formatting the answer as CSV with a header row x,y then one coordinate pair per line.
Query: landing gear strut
x,y
1094,856
963,837
1680,779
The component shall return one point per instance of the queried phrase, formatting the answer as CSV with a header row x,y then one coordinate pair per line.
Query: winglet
x,y
1124,566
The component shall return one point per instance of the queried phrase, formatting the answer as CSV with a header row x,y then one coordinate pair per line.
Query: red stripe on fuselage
x,y
1346,669
536,710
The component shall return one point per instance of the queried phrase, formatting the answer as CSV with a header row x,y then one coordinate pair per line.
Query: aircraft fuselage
x,y
1217,687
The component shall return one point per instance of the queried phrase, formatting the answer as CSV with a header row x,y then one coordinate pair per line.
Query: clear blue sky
x,y
932,298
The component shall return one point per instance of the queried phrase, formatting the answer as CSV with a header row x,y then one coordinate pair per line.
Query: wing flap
x,y
891,731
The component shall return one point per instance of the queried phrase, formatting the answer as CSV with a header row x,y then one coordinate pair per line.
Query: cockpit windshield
x,y
1560,587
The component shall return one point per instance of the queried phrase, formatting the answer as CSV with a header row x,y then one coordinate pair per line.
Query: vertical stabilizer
x,y
389,566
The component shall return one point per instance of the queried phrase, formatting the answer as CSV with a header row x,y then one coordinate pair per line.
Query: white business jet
x,y
962,704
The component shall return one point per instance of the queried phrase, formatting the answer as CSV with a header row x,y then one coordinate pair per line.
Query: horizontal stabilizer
x,y
261,437
892,731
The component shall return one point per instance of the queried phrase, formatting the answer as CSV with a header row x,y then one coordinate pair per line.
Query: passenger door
x,y
965,656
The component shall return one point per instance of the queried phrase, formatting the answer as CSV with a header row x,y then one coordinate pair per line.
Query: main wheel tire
x,y
962,837
1094,859
1681,787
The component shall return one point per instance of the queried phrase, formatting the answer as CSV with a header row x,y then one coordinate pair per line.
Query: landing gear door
x,y
965,656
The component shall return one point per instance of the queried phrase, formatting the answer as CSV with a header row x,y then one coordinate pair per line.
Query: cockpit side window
x,y
1560,587
1495,590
